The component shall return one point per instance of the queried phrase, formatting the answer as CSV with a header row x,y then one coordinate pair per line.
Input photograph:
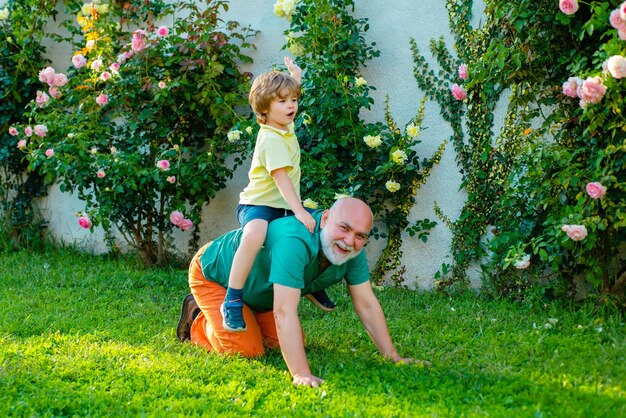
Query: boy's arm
x,y
291,197
294,69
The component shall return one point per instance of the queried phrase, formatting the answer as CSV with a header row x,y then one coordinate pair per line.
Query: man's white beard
x,y
330,253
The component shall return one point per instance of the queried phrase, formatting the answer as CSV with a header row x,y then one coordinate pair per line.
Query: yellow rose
x,y
372,141
340,196
360,81
412,131
311,204
399,156
392,186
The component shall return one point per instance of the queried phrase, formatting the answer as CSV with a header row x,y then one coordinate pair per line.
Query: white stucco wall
x,y
391,27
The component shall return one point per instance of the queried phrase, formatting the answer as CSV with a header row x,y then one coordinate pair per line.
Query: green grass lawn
x,y
89,336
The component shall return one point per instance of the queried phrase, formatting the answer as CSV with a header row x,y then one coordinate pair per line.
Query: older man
x,y
301,263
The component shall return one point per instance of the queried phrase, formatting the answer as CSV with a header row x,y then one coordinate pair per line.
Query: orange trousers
x,y
207,330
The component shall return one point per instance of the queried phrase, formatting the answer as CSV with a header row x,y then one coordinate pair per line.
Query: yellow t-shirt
x,y
274,149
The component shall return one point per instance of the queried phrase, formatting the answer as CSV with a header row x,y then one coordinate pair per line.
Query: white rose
x,y
372,141
399,156
360,81
309,203
523,262
392,186
234,136
413,131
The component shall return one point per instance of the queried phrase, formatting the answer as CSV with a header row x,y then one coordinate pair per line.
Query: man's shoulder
x,y
290,228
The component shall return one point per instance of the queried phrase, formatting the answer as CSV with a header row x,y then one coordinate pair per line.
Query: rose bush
x,y
138,125
563,196
549,185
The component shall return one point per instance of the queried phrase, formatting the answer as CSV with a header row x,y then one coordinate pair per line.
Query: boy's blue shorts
x,y
247,213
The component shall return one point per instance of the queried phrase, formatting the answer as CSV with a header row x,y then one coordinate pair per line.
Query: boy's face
x,y
282,111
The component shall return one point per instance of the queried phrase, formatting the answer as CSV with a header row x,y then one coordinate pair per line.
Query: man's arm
x,y
371,315
289,332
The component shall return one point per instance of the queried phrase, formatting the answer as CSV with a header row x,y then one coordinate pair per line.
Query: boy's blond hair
x,y
266,88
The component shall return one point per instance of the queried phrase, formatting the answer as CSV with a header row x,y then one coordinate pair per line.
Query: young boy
x,y
274,187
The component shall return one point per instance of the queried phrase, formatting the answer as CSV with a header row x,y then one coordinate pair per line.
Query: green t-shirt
x,y
291,257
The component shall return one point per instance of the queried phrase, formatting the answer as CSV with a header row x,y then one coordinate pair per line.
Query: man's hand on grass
x,y
307,380
417,362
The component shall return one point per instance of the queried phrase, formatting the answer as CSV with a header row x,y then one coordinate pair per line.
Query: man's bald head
x,y
353,209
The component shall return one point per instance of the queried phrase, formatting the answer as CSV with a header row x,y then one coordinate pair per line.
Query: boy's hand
x,y
306,219
294,69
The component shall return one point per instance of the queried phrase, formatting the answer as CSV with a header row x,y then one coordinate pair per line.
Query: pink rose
x,y
115,67
163,31
49,152
575,232
105,75
622,34
47,76
96,64
570,87
42,98
84,222
128,54
163,165
28,131
185,224
41,130
100,174
161,84
616,20
592,90
622,10
616,65
90,44
54,92
12,131
102,99
176,218
59,80
171,179
458,92
21,144
463,74
569,7
595,189
79,61
138,43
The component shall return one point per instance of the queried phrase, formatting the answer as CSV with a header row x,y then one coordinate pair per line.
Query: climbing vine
x,y
22,32
550,182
